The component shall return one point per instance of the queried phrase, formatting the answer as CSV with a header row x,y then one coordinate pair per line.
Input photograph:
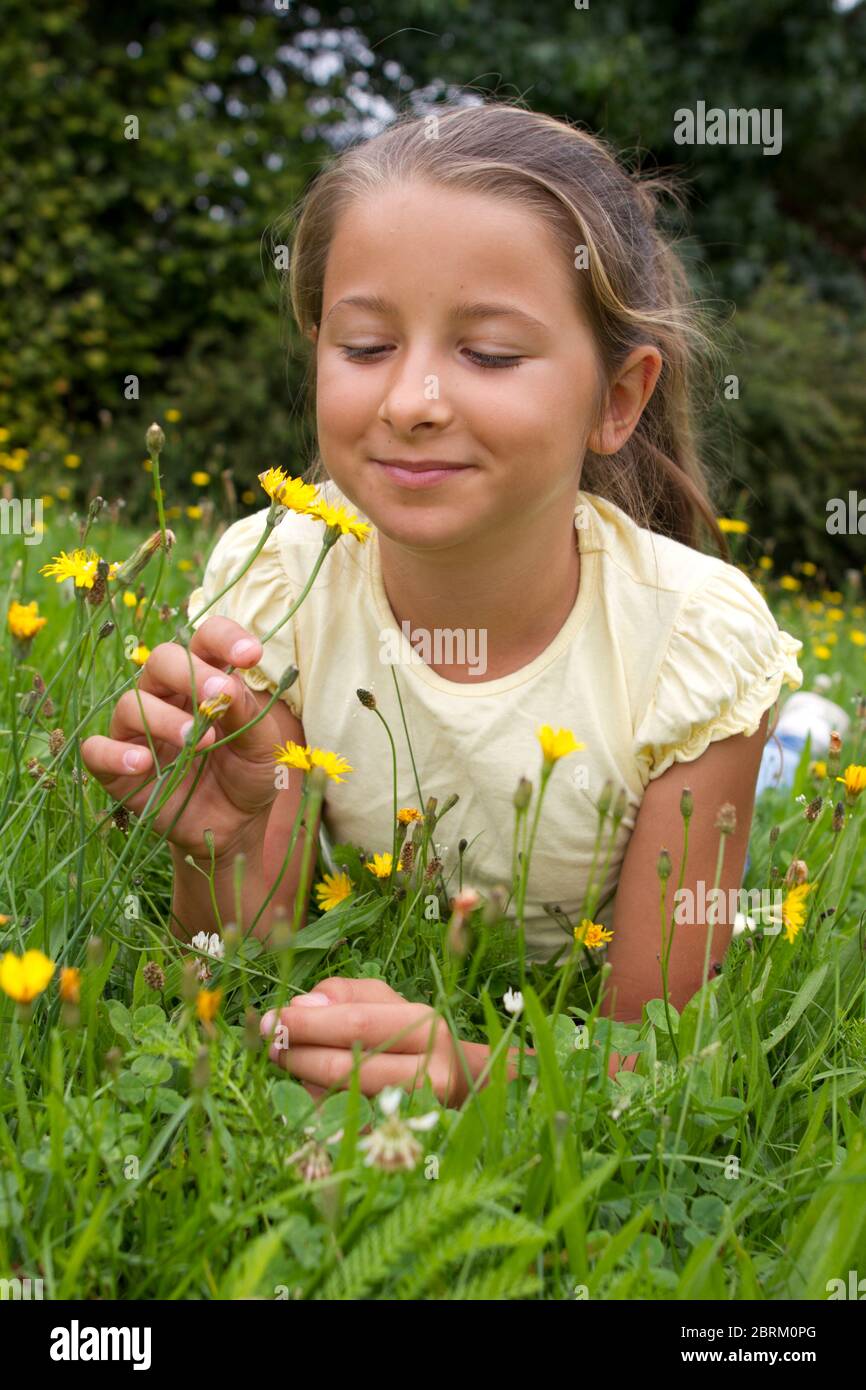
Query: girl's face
x,y
450,335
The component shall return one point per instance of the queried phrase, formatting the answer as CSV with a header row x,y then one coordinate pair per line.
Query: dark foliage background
x,y
146,256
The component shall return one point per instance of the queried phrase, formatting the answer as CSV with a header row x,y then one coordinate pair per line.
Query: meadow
x,y
150,1150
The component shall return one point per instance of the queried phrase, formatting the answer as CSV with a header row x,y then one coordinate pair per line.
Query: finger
x,y
222,641
106,759
341,989
171,670
399,1027
331,1068
138,712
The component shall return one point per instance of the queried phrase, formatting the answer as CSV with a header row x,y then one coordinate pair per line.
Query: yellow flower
x,y
289,492
555,745
248,496
23,977
80,566
129,598
794,909
337,517
808,567
334,889
194,513
831,596
815,606
857,637
173,415
64,492
4,919
207,1000
200,478
835,615
24,622
407,814
184,565
380,864
854,779
140,654
789,582
72,461
765,562
4,435
823,653
217,705
726,523
305,759
819,768
592,934
70,984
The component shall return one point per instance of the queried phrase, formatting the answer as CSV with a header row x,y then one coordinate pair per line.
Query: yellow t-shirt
x,y
665,650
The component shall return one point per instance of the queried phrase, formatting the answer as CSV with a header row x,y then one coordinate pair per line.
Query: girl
x,y
504,355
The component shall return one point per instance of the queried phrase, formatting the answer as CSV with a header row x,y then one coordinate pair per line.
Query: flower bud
x,y
522,794
289,676
797,872
367,698
726,820
687,803
153,976
838,821
154,439
131,568
95,950
664,866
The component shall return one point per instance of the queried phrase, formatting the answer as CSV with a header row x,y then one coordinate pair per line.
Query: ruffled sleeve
x,y
725,663
257,600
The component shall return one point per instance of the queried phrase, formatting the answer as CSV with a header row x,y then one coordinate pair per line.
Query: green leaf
x,y
120,1018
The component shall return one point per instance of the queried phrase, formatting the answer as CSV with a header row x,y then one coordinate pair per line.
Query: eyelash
x,y
481,359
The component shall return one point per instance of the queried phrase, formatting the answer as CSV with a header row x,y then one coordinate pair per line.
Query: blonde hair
x,y
634,290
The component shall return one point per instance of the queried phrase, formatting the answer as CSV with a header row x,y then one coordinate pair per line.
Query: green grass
x,y
141,1158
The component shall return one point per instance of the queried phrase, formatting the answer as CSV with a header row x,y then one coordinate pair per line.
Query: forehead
x,y
418,241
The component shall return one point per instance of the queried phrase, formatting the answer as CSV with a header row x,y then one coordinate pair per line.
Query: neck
x,y
509,594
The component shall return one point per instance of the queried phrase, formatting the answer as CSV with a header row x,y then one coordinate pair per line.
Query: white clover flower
x,y
513,1001
392,1145
211,946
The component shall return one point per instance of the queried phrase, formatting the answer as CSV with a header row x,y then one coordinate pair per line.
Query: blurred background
x,y
147,257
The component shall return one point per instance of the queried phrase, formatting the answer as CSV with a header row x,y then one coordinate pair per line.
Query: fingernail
x,y
311,1001
215,685
242,649
267,1021
134,760
185,728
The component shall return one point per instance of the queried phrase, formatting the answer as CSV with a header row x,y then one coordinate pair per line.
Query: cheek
x,y
344,401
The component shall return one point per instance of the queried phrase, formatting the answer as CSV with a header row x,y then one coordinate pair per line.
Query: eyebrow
x,y
475,310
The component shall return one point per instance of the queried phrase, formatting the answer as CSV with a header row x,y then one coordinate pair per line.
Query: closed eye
x,y
482,359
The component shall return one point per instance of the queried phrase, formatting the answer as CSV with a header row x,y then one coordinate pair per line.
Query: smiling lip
x,y
420,472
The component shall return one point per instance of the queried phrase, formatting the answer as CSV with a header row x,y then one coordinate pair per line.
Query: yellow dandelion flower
x,y
835,615
213,708
819,768
854,779
339,519
556,744
407,814
207,1000
794,909
732,526
72,461
23,977
380,864
815,606
807,567
70,984
289,492
823,653
857,637
334,889
64,493
140,654
765,562
194,513
248,496
129,598
4,919
305,759
184,565
24,621
788,581
4,435
173,415
80,566
592,934
832,596
200,478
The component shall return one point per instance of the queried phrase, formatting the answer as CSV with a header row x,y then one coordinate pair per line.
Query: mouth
x,y
414,473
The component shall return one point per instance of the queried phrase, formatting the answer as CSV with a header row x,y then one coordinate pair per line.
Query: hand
x,y
237,784
318,1048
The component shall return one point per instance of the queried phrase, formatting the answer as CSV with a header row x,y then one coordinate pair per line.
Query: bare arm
x,y
263,842
726,772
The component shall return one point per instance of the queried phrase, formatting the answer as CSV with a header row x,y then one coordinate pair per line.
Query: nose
x,y
414,394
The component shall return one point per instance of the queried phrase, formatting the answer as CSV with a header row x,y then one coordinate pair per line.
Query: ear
x,y
313,333
627,398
